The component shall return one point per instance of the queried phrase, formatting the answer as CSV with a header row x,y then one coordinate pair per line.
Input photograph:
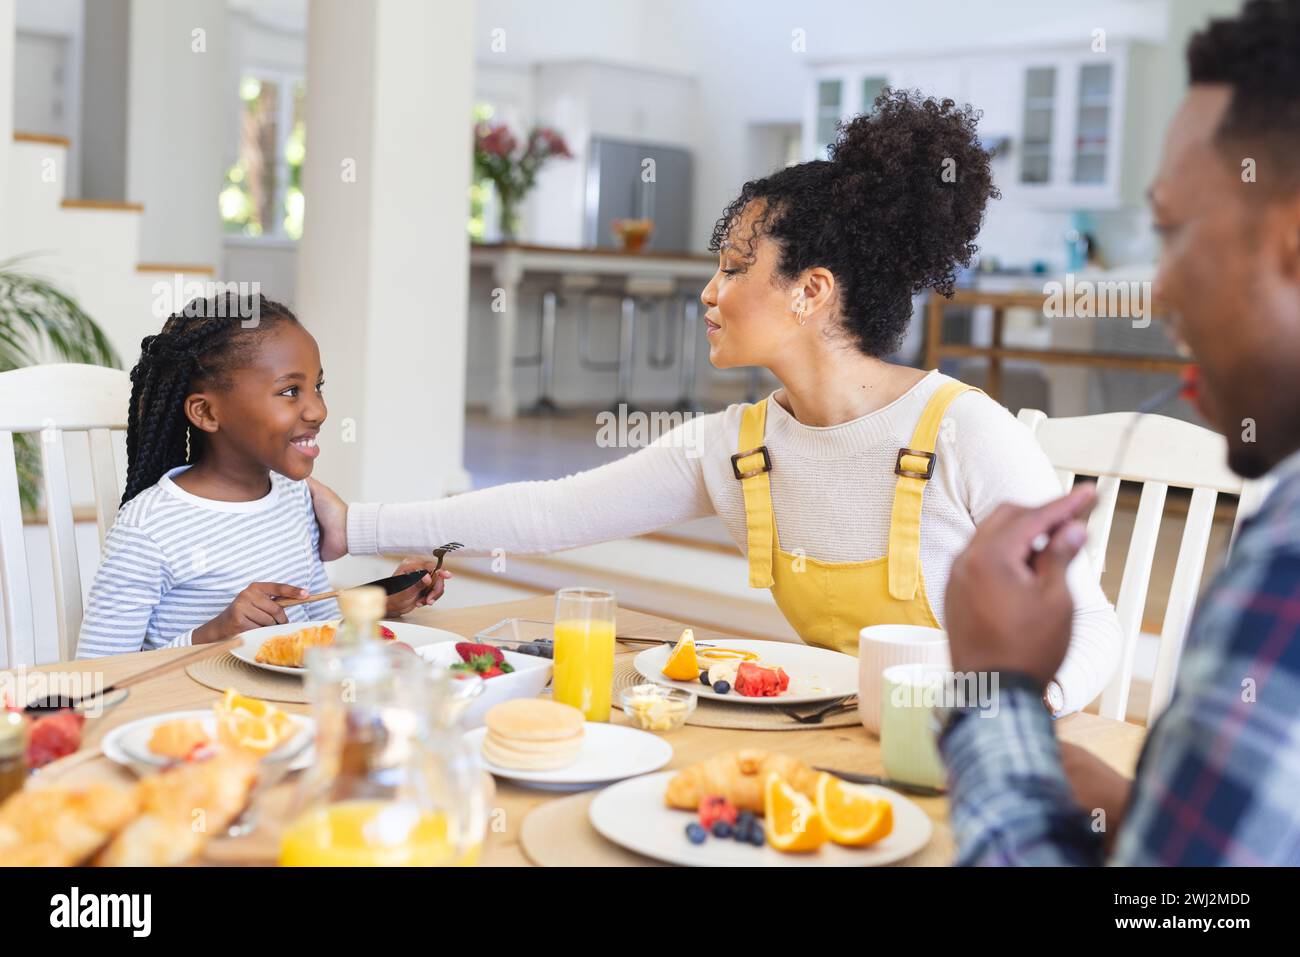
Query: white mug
x,y
881,647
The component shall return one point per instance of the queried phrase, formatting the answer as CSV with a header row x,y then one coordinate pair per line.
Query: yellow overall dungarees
x,y
828,603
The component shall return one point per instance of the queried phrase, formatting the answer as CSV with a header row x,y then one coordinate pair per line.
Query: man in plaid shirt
x,y
1219,777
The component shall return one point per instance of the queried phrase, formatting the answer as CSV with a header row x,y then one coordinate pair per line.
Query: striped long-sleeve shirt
x,y
174,561
1218,777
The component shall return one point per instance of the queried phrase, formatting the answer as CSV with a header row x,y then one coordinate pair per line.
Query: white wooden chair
x,y
52,400
1159,453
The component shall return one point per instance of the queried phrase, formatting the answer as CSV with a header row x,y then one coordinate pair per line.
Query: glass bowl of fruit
x,y
654,707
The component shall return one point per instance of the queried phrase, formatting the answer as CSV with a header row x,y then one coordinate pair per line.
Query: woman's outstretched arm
x,y
657,487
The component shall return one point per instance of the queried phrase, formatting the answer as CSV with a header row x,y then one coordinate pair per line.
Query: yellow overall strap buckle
x,y
757,489
909,491
766,466
925,476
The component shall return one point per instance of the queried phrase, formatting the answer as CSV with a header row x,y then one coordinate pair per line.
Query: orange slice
x,y
851,815
250,724
792,821
682,664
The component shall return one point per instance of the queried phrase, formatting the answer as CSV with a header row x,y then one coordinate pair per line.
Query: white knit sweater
x,y
832,492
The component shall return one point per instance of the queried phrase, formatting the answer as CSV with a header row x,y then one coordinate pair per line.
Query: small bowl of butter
x,y
654,707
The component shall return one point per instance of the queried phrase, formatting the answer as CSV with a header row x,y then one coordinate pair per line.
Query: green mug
x,y
908,748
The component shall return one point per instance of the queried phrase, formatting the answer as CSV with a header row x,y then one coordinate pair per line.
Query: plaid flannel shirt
x,y
1218,779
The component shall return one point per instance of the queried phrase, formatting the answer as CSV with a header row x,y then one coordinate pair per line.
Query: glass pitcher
x,y
392,783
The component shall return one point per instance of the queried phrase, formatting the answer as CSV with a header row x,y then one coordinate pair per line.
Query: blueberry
x,y
547,650
756,836
704,677
529,649
721,829
695,833
745,818
721,687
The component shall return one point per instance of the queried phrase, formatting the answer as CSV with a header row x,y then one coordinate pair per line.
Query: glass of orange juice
x,y
584,650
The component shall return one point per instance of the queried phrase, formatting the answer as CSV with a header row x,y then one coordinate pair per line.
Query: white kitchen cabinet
x,y
1065,112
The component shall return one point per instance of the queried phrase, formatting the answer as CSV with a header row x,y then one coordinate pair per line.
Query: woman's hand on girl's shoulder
x,y
332,517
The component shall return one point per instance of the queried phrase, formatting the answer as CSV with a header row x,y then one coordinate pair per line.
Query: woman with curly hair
x,y
853,487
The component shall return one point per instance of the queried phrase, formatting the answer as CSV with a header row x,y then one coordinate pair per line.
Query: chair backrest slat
x,y
63,540
1101,521
1133,594
20,626
104,476
1182,597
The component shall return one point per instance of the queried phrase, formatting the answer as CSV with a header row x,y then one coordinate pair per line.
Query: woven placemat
x,y
745,717
559,834
226,671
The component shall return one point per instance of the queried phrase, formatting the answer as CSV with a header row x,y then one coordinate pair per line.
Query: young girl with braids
x,y
216,522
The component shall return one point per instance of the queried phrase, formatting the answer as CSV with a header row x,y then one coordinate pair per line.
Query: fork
x,y
837,706
440,553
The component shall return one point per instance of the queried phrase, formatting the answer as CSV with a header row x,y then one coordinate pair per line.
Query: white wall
x,y
175,143
61,19
384,262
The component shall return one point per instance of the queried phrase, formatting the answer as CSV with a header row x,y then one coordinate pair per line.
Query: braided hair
x,y
199,345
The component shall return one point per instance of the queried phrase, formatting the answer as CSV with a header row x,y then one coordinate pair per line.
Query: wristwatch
x,y
1054,698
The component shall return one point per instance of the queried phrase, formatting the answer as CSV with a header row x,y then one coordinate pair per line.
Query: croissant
x,y
740,777
288,651
170,830
58,826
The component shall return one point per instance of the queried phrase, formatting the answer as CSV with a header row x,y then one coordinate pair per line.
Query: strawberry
x,y
484,665
469,650
386,633
713,809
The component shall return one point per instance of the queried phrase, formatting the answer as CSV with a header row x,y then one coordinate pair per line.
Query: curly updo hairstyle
x,y
198,347
1257,54
894,210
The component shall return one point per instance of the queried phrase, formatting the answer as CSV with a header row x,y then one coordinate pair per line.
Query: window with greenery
x,y
480,190
262,195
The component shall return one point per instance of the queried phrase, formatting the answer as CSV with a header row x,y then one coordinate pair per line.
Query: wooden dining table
x,y
843,748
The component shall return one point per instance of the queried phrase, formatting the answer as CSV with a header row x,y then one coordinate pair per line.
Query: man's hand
x,y
332,517
1097,786
254,607
424,592
1008,606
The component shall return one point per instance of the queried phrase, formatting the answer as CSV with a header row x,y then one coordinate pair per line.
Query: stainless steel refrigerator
x,y
634,181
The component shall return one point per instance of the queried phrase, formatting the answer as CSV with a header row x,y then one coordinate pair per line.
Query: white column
x,y
384,260
7,29
178,98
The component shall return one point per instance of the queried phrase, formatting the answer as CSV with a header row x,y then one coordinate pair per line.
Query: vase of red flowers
x,y
498,157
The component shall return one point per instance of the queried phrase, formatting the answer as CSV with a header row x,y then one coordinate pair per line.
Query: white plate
x,y
633,814
610,752
128,744
816,674
413,635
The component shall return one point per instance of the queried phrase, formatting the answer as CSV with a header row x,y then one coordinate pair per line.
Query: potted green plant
x,y
41,323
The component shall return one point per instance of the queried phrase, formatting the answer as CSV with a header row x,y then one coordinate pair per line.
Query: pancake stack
x,y
532,734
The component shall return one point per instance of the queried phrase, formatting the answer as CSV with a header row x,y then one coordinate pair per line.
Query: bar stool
x,y
577,286
646,295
